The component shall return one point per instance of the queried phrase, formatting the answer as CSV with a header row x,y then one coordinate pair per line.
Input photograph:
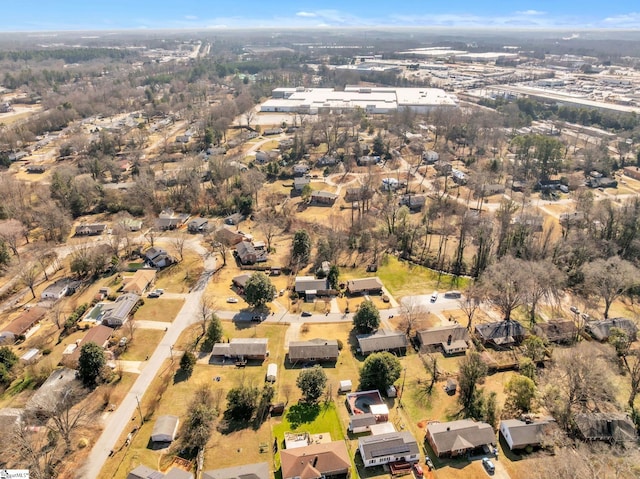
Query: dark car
x,y
305,314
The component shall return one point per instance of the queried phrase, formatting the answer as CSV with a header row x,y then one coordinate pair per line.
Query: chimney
x,y
315,461
449,340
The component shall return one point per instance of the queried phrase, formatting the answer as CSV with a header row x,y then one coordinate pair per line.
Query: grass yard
x,y
159,309
180,277
142,345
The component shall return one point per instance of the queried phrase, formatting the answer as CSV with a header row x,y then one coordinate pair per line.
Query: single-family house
x,y
601,329
610,427
271,131
359,423
157,258
452,338
300,182
534,223
557,330
56,290
31,356
168,220
327,160
234,219
456,438
59,380
575,218
144,472
165,429
300,169
241,349
443,167
371,285
358,194
413,202
367,160
326,460
430,157
99,335
131,224
501,333
118,312
458,177
259,470
325,198
382,340
313,350
262,157
390,447
390,184
246,253
141,280
25,323
36,169
523,434
228,237
10,418
94,229
240,281
310,286
198,225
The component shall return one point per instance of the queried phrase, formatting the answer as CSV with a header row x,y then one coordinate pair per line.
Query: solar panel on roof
x,y
392,450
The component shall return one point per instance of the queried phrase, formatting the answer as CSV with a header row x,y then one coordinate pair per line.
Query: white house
x,y
390,447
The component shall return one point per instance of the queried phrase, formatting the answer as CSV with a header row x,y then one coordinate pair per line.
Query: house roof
x,y
324,194
314,349
57,287
87,229
144,472
525,433
98,334
601,329
121,308
364,284
198,222
501,332
176,473
450,436
241,347
9,418
382,340
557,330
58,381
165,426
140,280
225,235
310,283
440,334
362,420
153,252
259,470
241,280
315,460
25,321
606,427
391,443
245,248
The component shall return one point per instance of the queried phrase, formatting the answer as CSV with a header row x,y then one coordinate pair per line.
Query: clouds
x,y
306,14
531,12
629,20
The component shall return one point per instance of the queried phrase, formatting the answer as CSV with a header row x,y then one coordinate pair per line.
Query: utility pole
x,y
404,378
171,352
140,410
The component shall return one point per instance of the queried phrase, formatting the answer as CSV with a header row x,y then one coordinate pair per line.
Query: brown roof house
x,y
600,330
365,286
452,338
99,335
313,350
456,438
316,461
501,333
382,340
24,324
228,237
90,229
241,348
382,449
557,331
259,470
611,427
246,253
524,434
141,280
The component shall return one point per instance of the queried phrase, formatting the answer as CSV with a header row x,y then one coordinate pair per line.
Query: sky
x,y
38,15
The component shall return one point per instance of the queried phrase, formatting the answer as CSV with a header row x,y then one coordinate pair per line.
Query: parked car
x,y
428,462
418,470
488,465
434,296
232,300
305,314
574,310
155,293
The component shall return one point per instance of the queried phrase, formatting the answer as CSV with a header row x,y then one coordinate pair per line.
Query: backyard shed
x,y
272,372
165,429
345,386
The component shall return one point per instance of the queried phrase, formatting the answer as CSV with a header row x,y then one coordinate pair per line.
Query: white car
x,y
232,300
434,296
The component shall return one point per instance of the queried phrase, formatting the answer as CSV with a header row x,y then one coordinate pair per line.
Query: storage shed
x,y
165,429
272,372
345,386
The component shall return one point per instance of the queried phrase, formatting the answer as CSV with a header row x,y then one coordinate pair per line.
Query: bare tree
x,y
430,363
206,308
470,303
45,256
29,277
609,279
12,232
131,327
504,284
57,315
632,363
178,244
411,311
41,451
545,282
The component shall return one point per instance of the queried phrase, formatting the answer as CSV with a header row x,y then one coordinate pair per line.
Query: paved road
x,y
120,419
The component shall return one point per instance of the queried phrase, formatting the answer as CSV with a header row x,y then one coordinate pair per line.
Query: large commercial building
x,y
370,99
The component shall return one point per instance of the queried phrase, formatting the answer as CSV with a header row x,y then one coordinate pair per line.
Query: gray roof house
x,y
451,337
309,286
118,312
300,182
501,333
314,350
241,348
601,329
522,434
198,225
371,285
323,198
456,438
612,427
157,257
382,340
165,429
259,470
144,472
90,229
246,253
390,447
